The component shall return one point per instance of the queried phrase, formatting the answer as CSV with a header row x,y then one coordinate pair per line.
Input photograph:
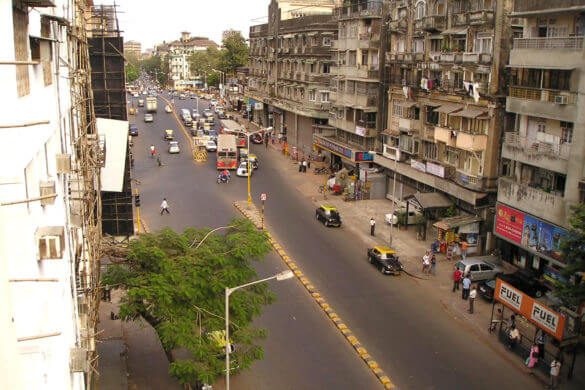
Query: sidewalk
x,y
356,216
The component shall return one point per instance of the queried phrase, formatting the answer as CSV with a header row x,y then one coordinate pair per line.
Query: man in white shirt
x,y
472,295
555,370
164,206
372,226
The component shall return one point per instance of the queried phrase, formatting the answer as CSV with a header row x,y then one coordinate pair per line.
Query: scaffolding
x,y
108,80
84,186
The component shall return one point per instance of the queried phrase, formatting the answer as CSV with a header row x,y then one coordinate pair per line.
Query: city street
x,y
404,329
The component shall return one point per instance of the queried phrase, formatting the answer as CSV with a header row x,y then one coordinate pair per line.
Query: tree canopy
x,y
235,53
132,72
176,282
202,62
572,290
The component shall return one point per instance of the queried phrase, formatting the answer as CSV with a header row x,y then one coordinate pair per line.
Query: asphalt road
x,y
303,349
404,329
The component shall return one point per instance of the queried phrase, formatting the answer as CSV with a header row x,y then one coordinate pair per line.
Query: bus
x,y
227,152
229,126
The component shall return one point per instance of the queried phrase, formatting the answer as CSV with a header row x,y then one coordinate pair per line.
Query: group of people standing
x,y
303,165
468,291
429,264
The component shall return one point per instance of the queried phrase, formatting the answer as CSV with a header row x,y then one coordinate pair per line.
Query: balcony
x,y
434,22
429,132
397,25
317,78
551,156
471,142
460,19
349,126
358,71
408,125
539,52
477,58
474,182
481,17
364,9
355,100
542,204
447,136
453,58
547,103
366,41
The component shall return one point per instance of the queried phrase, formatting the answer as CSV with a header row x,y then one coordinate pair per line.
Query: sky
x,y
150,22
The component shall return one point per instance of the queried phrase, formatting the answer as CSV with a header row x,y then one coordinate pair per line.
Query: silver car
x,y
479,268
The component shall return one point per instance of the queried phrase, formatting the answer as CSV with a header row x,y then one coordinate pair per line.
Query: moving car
x,y
527,282
213,102
385,260
148,118
140,103
243,169
486,289
133,130
218,109
479,268
168,134
392,218
328,215
168,109
207,113
174,147
210,146
221,115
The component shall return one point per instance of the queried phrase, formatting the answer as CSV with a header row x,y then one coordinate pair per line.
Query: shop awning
x,y
312,33
448,108
286,36
431,104
429,200
455,31
405,103
470,113
455,222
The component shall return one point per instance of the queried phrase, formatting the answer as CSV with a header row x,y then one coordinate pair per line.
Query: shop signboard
x,y
537,313
332,147
418,165
258,106
529,232
435,169
363,156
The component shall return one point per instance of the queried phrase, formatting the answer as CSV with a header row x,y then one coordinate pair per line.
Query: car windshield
x,y
491,283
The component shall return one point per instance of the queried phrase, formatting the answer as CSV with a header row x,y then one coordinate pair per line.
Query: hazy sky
x,y
150,21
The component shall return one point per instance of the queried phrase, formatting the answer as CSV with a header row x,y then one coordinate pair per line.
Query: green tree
x,y
132,72
176,283
213,79
202,62
234,54
572,291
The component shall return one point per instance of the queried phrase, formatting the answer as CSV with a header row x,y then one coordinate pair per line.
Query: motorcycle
x,y
223,179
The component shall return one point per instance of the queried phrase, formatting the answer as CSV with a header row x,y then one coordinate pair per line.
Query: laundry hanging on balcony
x,y
472,89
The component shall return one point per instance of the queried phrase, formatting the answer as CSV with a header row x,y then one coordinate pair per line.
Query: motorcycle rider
x,y
152,151
224,175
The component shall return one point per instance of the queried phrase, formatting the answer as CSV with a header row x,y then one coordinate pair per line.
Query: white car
x,y
207,113
243,169
210,146
213,102
218,109
168,109
148,118
392,219
174,147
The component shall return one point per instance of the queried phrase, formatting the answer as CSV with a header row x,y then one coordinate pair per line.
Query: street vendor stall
x,y
453,230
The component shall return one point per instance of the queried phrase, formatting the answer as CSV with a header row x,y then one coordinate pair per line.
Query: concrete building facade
x,y
49,199
289,75
133,49
543,149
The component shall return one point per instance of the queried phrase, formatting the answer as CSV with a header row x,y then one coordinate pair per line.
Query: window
x,y
420,10
326,68
451,156
326,41
312,95
566,132
430,150
352,57
418,45
364,58
507,168
483,45
324,97
397,110
432,117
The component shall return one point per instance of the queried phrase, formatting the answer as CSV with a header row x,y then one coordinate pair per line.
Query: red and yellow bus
x,y
229,126
227,151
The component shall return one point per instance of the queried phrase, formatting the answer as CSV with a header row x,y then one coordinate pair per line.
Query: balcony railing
x,y
460,19
477,58
546,95
451,57
532,145
568,43
362,9
481,17
434,22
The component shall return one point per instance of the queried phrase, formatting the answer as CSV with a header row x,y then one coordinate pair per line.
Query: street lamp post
x,y
228,291
248,162
221,73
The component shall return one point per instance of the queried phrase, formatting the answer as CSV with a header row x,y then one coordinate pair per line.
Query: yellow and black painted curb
x,y
253,215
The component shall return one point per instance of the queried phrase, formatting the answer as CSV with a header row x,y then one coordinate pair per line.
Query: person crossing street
x,y
372,226
164,206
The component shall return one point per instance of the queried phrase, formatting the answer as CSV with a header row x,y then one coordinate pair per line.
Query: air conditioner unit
x,y
561,99
435,57
50,242
79,360
63,163
47,188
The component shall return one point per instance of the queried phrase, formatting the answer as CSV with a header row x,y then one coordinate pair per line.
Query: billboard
x,y
540,315
529,232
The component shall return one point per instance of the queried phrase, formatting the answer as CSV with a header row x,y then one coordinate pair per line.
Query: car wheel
x,y
326,223
381,269
371,260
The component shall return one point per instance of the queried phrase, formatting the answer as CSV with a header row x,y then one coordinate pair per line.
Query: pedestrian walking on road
x,y
456,278
464,247
158,161
555,370
466,287
304,165
300,166
372,226
266,141
426,263
540,341
434,265
164,206
472,295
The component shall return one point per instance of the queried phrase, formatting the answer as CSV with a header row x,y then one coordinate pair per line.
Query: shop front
x,y
340,155
455,230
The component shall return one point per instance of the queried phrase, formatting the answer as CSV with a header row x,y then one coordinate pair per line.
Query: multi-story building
x,y
354,84
178,53
291,9
444,108
289,75
230,32
543,151
49,200
133,49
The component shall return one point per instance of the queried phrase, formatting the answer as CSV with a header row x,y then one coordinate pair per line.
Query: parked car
x,y
328,215
210,146
243,169
174,147
168,109
527,282
486,289
479,268
392,218
148,118
218,109
385,260
133,130
168,134
256,138
221,115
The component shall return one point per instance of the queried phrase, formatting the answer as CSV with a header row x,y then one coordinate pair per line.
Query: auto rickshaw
x,y
132,111
168,135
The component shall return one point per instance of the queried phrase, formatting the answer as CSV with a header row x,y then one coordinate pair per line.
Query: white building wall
x,y
28,156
